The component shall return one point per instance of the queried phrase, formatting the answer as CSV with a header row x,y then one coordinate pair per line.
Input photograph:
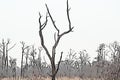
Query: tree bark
x,y
53,77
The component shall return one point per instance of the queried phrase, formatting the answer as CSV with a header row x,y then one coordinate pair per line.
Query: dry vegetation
x,y
41,78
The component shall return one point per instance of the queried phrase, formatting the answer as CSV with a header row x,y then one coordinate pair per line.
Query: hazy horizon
x,y
94,21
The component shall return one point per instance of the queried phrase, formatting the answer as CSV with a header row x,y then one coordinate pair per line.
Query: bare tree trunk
x,y
13,66
27,55
53,69
22,63
26,64
5,50
23,51
6,59
53,77
3,57
33,59
39,61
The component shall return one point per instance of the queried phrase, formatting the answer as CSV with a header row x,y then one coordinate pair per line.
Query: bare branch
x,y
66,32
40,25
59,37
68,9
45,23
53,22
55,37
26,47
8,41
40,16
70,28
23,43
12,47
41,35
3,42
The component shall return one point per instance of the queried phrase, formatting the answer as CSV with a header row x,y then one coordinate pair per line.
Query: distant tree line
x,y
76,64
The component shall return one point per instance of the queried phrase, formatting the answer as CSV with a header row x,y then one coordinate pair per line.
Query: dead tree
x,y
33,62
3,55
83,60
69,62
114,67
12,62
101,53
39,63
101,59
8,49
56,38
23,52
4,50
26,58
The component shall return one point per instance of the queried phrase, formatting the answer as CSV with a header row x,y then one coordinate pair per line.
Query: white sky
x,y
95,22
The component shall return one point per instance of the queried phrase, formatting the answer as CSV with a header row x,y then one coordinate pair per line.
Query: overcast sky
x,y
94,21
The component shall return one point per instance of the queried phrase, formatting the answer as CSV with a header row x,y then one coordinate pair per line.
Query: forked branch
x,y
41,27
53,22
57,37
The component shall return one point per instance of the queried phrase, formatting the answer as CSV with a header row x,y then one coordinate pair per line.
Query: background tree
x,y
4,50
39,61
100,59
56,38
24,47
33,60
3,57
82,61
27,57
114,67
7,49
69,62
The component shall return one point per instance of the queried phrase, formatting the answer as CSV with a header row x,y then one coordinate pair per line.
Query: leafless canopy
x,y
56,37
